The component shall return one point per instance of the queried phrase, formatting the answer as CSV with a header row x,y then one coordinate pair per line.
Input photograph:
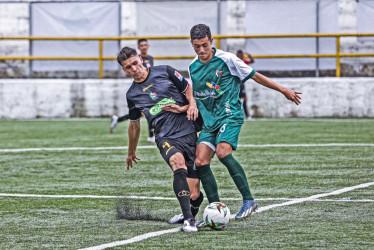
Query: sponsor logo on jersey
x,y
157,108
218,73
212,85
179,76
153,95
145,89
205,94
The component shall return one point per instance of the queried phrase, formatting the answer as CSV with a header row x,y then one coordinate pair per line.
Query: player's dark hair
x,y
239,52
200,31
142,40
125,54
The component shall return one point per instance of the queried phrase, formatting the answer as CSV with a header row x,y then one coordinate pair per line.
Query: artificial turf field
x,y
79,171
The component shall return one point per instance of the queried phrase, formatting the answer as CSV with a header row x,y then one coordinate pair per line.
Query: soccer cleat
x,y
176,219
201,224
189,225
113,123
247,209
151,139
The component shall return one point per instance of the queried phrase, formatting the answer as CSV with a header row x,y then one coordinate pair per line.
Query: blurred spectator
x,y
247,59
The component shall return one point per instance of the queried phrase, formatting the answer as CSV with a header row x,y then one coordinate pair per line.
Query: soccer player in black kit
x,y
143,47
165,98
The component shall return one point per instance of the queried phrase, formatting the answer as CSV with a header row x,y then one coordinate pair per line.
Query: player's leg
x,y
123,118
227,140
188,145
246,113
172,153
204,154
115,120
182,190
151,134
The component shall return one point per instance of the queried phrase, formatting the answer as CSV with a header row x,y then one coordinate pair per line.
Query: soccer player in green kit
x,y
216,77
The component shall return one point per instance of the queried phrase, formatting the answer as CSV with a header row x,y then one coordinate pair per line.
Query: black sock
x,y
195,204
245,109
182,191
123,118
151,131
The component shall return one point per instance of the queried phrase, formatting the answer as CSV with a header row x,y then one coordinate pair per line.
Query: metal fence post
x,y
338,56
101,59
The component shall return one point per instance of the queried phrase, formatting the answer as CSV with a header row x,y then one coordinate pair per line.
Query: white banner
x,y
74,19
174,19
289,17
365,19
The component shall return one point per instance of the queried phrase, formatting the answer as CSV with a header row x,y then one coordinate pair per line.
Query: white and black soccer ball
x,y
216,215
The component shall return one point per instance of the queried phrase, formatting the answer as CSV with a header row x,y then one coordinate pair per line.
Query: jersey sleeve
x,y
236,66
134,113
241,69
177,79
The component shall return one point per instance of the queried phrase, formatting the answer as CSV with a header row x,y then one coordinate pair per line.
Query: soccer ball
x,y
216,215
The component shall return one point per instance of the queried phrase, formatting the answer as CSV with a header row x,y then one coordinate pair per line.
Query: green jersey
x,y
216,87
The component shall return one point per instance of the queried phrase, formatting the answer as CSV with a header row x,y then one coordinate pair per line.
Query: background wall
x,y
49,98
352,17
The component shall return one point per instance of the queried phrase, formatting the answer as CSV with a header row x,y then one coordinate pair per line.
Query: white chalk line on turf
x,y
18,150
261,209
72,196
134,239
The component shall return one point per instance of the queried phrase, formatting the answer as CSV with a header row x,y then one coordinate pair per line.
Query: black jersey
x,y
163,86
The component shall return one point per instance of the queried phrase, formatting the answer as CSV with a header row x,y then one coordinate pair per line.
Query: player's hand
x,y
192,112
174,108
293,96
131,158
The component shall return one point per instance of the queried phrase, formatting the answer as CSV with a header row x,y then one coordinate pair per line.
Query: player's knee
x,y
223,150
177,161
222,153
200,161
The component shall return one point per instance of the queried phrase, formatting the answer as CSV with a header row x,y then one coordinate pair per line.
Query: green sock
x,y
209,182
238,175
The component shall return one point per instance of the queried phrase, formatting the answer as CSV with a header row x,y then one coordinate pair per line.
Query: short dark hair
x,y
239,52
125,54
200,31
142,40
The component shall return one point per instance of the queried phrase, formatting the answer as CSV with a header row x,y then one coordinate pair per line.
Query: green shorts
x,y
229,132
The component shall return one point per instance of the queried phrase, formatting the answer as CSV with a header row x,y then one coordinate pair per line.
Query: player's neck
x,y
143,76
208,58
144,55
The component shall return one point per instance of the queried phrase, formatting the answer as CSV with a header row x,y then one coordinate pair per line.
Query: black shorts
x,y
186,145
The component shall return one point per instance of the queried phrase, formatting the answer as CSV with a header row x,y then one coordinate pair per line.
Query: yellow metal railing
x,y
218,39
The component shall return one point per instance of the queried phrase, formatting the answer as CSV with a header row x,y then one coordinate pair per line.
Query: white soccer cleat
x,y
113,123
189,226
176,219
151,139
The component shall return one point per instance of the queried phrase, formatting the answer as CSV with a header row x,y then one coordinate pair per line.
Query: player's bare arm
x,y
288,93
134,132
192,112
175,108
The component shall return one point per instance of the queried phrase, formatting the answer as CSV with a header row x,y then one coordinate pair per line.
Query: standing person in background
x,y
143,47
247,59
216,77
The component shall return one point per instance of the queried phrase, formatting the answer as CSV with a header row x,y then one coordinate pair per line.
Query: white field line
x,y
317,196
68,196
18,150
134,239
261,209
